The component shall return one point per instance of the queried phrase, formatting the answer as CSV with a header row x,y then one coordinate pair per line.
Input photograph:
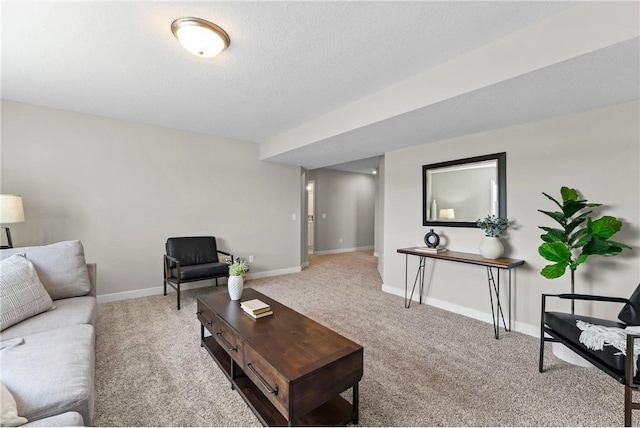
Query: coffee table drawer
x,y
228,340
206,318
274,386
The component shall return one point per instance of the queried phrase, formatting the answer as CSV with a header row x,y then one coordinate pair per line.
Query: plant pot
x,y
235,284
491,247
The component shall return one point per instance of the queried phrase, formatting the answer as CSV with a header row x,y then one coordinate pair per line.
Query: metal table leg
x,y
496,313
509,299
419,277
406,269
421,269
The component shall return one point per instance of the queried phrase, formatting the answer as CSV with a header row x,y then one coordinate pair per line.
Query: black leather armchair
x,y
561,327
193,258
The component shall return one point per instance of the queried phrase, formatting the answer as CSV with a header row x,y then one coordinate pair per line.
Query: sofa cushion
x,y
9,416
52,372
61,267
72,311
22,295
69,419
565,325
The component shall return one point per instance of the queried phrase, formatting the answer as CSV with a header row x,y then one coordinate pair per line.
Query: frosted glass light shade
x,y
11,210
200,37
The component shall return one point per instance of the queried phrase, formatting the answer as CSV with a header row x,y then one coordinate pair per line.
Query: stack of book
x,y
431,250
256,308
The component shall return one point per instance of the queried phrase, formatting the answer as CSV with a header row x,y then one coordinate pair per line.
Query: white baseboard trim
x,y
267,273
153,291
343,250
375,254
467,312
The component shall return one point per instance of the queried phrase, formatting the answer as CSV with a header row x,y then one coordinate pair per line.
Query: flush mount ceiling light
x,y
200,37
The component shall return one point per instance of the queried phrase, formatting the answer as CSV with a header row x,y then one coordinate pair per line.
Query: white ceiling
x,y
292,65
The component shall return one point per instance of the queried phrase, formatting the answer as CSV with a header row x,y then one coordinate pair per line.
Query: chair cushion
x,y
22,295
202,271
193,250
565,325
630,313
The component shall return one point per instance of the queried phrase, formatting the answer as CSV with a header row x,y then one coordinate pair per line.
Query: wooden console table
x,y
289,369
469,258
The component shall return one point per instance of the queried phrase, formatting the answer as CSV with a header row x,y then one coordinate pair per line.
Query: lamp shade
x,y
200,37
447,213
11,210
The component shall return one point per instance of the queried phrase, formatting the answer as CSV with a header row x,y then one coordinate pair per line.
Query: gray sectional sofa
x,y
47,360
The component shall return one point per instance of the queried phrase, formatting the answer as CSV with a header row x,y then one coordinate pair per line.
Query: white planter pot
x,y
235,285
491,247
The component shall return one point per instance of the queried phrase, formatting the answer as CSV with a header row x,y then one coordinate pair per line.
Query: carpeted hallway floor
x,y
422,366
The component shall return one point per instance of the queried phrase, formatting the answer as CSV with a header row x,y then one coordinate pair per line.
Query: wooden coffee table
x,y
289,369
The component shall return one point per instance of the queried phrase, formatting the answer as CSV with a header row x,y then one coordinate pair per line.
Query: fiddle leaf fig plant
x,y
578,237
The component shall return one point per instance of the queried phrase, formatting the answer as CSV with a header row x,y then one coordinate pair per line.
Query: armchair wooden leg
x,y
628,404
541,360
165,287
178,293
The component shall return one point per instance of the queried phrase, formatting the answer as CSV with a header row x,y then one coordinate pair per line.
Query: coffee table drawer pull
x,y
262,381
228,345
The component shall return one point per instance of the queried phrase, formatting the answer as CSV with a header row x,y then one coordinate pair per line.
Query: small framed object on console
x,y
432,239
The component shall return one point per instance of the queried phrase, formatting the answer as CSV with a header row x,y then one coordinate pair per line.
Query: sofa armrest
x,y
92,268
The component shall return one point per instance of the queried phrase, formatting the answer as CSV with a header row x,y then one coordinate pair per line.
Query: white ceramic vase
x,y
235,284
491,247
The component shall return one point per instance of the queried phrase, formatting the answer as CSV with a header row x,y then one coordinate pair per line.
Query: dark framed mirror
x,y
459,192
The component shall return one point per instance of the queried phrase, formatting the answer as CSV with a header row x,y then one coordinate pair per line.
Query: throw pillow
x,y
22,295
9,417
630,313
61,267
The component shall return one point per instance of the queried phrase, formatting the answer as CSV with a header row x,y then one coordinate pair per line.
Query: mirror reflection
x,y
459,192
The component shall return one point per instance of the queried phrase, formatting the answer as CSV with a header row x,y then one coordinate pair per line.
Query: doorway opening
x,y
310,216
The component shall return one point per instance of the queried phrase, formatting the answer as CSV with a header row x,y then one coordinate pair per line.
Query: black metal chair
x,y
190,259
561,327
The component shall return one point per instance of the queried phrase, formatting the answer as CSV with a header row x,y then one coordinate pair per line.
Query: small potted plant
x,y
492,226
237,271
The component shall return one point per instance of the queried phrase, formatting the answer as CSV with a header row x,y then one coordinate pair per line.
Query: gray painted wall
x,y
348,200
123,188
596,152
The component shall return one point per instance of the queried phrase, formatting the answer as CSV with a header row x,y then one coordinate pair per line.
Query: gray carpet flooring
x,y
422,366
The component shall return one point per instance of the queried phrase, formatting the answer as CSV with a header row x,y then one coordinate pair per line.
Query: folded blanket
x,y
596,337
